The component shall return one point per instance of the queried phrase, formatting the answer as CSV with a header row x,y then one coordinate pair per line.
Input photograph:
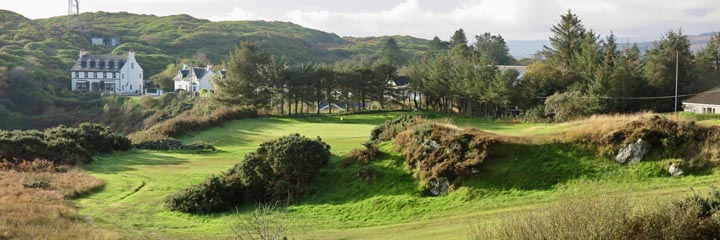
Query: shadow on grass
x,y
536,167
362,118
120,162
338,184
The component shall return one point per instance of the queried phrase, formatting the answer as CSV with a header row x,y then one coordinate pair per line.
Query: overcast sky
x,y
514,19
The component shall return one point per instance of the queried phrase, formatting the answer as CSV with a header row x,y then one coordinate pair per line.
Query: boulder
x,y
431,144
633,152
675,170
439,186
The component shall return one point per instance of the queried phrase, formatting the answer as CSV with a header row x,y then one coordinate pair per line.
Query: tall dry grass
x,y
606,218
594,125
37,206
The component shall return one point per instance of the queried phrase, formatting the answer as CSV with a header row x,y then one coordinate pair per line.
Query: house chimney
x,y
131,55
185,66
209,67
82,53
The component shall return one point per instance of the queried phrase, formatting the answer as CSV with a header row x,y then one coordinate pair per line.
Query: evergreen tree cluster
x,y
264,81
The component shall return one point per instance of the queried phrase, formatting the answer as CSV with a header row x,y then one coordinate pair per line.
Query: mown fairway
x,y
342,206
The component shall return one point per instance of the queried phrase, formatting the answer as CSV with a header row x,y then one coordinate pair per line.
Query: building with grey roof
x,y
115,74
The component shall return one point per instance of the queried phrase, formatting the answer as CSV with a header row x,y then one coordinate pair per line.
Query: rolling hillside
x,y
159,41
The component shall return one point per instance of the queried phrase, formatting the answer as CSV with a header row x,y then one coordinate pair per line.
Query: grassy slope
x,y
341,206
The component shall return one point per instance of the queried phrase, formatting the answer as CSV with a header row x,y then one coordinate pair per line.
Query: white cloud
x,y
516,19
237,14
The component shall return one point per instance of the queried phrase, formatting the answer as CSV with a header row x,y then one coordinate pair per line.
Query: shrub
x,y
216,193
568,106
61,144
437,151
363,156
187,123
280,169
390,128
535,115
174,144
287,165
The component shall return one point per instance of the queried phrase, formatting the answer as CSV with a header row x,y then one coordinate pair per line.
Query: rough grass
x,y
341,205
46,213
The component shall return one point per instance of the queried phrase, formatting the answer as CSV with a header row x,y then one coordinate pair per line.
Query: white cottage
x,y
114,74
194,79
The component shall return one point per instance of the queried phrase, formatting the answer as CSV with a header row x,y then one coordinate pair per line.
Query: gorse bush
x,y
436,151
390,128
174,144
280,169
216,193
361,155
63,145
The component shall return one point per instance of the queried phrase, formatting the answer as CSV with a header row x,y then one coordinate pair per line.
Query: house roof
x,y
95,63
401,81
521,69
185,74
710,97
199,72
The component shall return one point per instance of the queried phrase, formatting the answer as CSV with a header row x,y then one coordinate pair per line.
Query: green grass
x,y
340,205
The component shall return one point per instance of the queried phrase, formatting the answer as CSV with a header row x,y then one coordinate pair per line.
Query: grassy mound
x,y
280,169
697,146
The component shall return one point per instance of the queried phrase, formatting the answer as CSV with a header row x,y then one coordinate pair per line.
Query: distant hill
x,y
40,53
524,49
159,41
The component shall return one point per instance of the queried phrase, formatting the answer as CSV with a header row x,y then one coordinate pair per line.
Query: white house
x,y
704,103
194,79
115,74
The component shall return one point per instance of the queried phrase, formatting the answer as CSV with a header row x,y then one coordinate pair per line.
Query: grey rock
x,y
439,186
675,170
432,144
633,152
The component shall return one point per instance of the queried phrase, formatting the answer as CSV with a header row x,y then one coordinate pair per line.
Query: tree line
x,y
579,73
258,79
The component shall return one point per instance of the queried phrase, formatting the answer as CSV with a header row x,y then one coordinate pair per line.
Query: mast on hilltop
x,y
73,16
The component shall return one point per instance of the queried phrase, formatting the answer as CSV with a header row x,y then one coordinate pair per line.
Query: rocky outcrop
x,y
633,152
675,170
439,186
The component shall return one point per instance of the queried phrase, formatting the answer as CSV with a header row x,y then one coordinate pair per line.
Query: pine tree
x,y
458,38
567,37
391,53
660,68
436,45
708,63
493,47
245,82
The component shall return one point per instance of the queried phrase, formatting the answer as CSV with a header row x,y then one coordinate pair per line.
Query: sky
x,y
634,20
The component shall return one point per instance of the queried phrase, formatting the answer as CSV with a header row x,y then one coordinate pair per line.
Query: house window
x,y
123,76
130,87
132,65
76,74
